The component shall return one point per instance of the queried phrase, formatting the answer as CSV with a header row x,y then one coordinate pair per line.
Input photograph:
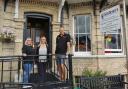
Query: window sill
x,y
79,55
82,54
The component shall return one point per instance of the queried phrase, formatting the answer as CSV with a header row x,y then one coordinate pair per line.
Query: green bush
x,y
91,73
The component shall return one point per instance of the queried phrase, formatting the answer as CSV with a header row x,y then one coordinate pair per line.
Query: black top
x,y
61,43
37,53
28,50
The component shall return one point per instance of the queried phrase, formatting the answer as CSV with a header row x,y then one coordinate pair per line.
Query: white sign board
x,y
110,19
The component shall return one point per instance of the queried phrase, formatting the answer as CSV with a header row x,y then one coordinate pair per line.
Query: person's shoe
x,y
26,86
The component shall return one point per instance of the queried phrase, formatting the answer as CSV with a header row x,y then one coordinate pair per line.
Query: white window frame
x,y
86,53
122,47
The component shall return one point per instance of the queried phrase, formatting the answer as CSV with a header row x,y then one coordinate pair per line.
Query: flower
x,y
7,34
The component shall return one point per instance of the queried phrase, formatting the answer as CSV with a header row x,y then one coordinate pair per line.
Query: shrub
x,y
91,73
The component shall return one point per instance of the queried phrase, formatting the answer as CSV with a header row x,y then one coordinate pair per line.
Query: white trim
x,y
80,54
114,50
61,4
16,14
122,43
74,42
122,40
121,55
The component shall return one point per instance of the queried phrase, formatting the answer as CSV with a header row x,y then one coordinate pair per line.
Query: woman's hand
x,y
24,54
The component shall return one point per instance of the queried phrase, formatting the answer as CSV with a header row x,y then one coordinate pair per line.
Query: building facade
x,y
91,48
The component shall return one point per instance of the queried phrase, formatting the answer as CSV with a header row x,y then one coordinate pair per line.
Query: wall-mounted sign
x,y
110,19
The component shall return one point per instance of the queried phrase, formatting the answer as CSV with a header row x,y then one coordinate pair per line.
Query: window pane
x,y
77,43
75,25
82,24
88,43
82,43
87,25
119,41
112,42
82,33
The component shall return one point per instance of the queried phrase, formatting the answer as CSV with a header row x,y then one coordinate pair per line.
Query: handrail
x,y
31,55
19,58
102,82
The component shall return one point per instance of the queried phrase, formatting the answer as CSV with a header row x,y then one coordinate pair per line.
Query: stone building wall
x,y
8,20
97,59
1,12
112,64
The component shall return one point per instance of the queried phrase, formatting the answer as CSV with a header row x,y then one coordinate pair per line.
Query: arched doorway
x,y
37,24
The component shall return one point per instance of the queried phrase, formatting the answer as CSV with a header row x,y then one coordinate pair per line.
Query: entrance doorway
x,y
37,25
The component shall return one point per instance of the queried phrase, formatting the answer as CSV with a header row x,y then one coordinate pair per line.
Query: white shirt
x,y
42,51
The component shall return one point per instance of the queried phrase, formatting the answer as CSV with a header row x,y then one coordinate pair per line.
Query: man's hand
x,y
68,48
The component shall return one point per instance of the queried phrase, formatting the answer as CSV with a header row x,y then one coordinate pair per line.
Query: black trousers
x,y
42,71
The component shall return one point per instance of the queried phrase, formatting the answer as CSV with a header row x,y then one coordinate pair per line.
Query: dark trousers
x,y
42,71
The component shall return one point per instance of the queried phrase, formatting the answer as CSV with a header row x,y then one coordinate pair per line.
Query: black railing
x,y
11,72
105,82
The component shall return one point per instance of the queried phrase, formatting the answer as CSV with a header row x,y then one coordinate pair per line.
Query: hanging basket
x,y
7,35
7,40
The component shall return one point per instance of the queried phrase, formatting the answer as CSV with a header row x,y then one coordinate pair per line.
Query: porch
x,y
11,74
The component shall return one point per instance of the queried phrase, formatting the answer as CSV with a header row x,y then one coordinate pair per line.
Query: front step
x,y
55,85
52,82
47,85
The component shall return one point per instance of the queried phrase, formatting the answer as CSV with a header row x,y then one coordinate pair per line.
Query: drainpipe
x,y
16,14
61,4
94,7
61,18
102,3
5,4
125,27
126,42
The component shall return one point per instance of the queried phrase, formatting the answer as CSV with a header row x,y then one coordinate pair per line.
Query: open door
x,y
37,25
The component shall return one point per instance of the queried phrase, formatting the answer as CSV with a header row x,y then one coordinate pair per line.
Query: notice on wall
x,y
110,19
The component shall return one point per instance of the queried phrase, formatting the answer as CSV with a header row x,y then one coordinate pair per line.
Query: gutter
x,y
102,4
5,4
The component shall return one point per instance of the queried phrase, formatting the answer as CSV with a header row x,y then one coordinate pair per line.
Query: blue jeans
x,y
26,73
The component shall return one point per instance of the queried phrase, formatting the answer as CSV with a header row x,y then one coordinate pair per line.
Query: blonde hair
x,y
26,41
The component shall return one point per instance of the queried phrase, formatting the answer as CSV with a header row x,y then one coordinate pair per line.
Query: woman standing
x,y
27,60
42,50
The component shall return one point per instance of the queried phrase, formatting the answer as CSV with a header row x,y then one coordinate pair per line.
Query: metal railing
x,y
105,82
11,71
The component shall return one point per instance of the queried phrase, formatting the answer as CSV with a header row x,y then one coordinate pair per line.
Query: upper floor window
x,y
82,29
